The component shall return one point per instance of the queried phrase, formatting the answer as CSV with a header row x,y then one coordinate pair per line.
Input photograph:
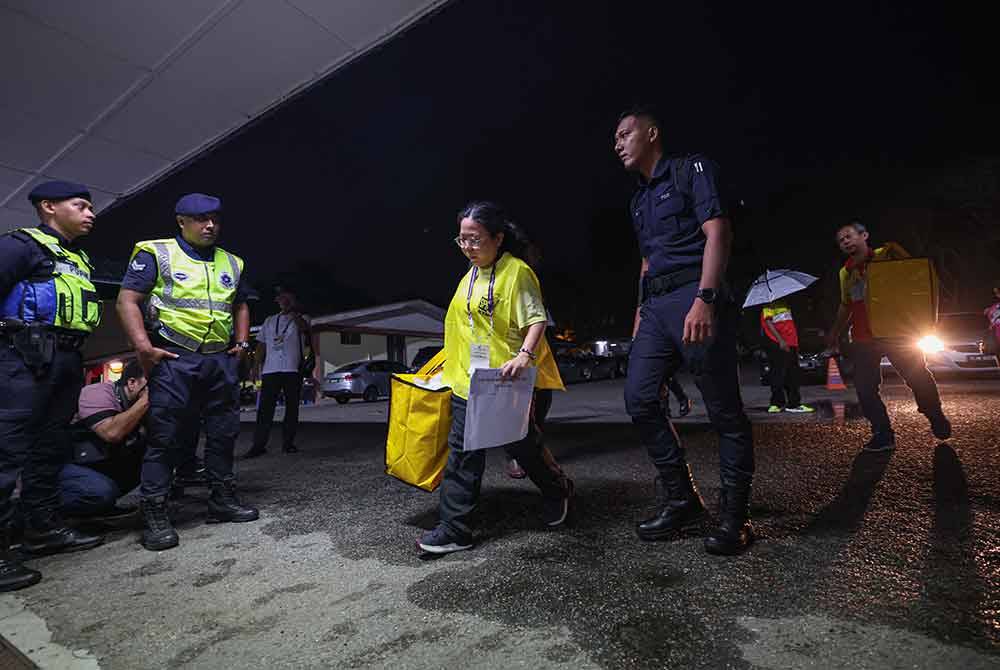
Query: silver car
x,y
957,346
366,379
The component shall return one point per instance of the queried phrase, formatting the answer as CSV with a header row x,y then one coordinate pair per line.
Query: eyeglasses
x,y
469,242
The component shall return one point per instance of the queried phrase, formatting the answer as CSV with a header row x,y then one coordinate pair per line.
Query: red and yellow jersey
x,y
780,316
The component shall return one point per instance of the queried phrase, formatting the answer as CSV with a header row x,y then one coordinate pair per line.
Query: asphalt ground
x,y
862,560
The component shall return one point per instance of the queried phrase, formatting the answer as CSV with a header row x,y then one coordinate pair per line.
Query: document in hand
x,y
498,409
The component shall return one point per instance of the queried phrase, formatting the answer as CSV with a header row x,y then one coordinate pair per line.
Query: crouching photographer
x,y
108,445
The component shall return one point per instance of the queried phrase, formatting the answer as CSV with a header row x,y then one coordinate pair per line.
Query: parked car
x,y
958,345
366,379
577,364
617,349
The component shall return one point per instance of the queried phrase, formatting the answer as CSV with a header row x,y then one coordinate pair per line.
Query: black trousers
x,y
182,390
35,440
291,384
909,362
463,475
657,353
785,375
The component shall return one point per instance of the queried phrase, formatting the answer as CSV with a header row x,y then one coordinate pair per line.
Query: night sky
x,y
815,113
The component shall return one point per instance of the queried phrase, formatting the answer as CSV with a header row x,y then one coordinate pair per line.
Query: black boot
x,y
223,505
51,535
681,506
734,533
158,534
13,575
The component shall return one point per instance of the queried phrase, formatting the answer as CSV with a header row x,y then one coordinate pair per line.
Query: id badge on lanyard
x,y
279,338
479,351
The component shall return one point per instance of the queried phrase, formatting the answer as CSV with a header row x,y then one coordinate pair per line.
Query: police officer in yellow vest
x,y
183,306
48,306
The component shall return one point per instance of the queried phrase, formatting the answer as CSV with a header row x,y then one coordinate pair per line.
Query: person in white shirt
x,y
282,342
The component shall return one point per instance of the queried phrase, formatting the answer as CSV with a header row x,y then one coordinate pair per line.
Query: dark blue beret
x,y
58,190
196,204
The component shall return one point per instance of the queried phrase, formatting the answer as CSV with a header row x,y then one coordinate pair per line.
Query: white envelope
x,y
499,409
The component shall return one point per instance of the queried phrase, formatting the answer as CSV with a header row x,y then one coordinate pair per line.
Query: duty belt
x,y
190,343
667,283
65,340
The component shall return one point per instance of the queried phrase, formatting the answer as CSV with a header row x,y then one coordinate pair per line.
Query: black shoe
x,y
158,534
880,442
734,533
684,406
439,541
57,539
940,426
224,506
254,452
13,575
290,449
681,506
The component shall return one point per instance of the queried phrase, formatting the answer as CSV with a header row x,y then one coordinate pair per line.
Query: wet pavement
x,y
863,560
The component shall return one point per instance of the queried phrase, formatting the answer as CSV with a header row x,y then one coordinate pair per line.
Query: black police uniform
x,y
38,399
200,385
668,212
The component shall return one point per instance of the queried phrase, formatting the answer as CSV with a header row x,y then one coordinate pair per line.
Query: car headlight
x,y
930,344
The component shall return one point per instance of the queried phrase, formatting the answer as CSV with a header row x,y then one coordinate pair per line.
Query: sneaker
x,y
801,409
438,541
940,426
880,443
556,510
774,409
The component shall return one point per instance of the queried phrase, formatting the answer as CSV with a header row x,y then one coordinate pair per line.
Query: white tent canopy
x,y
115,93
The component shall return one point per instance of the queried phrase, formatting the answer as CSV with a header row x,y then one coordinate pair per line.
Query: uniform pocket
x,y
666,212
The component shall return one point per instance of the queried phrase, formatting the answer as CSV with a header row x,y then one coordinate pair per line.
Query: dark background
x,y
815,113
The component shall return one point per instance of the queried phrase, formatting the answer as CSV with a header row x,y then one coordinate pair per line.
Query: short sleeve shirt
x,y
282,339
500,323
668,216
97,402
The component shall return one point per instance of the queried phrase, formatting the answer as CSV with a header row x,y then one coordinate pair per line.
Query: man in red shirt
x,y
782,344
867,351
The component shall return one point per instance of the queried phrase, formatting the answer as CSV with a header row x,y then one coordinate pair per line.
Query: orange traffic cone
x,y
834,382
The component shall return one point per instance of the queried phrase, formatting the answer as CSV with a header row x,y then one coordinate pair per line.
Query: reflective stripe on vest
x,y
65,298
193,298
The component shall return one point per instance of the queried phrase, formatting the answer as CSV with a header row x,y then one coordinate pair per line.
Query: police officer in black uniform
x,y
47,307
183,305
685,315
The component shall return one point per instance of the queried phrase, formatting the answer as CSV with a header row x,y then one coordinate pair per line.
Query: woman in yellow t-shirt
x,y
496,319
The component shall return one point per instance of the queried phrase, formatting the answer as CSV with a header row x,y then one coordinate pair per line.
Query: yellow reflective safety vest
x,y
192,300
63,297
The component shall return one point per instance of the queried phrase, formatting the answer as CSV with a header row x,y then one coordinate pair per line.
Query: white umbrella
x,y
775,284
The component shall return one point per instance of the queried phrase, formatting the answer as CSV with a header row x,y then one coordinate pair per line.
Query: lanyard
x,y
288,324
489,299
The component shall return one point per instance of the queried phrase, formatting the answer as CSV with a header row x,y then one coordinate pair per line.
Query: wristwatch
x,y
707,295
244,345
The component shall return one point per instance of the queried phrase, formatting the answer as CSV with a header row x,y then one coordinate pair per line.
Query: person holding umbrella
x,y
781,339
782,344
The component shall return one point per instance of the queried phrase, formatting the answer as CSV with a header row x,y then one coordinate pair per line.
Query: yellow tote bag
x,y
416,449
